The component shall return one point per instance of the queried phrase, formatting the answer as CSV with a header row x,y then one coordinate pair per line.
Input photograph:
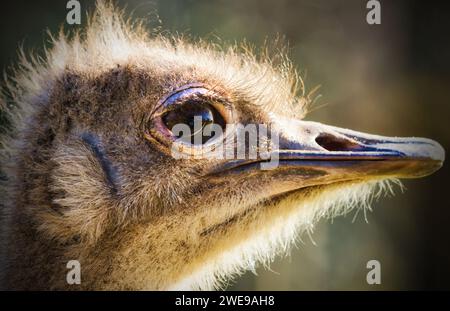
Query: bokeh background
x,y
390,79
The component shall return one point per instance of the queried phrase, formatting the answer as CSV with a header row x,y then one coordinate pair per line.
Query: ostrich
x,y
90,176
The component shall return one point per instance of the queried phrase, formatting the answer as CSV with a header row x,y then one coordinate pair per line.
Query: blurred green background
x,y
391,79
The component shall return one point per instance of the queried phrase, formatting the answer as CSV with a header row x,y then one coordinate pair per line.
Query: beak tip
x,y
419,148
441,153
433,150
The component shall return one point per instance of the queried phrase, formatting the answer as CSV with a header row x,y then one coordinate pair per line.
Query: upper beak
x,y
341,154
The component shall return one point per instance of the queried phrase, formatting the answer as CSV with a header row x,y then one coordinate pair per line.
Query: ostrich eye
x,y
193,115
196,115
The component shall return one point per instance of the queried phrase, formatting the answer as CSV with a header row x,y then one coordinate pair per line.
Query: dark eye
x,y
193,115
196,115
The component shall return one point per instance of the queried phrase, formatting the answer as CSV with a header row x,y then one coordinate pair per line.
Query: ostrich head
x,y
92,175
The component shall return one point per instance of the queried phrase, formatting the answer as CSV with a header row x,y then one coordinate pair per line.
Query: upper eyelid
x,y
195,97
192,91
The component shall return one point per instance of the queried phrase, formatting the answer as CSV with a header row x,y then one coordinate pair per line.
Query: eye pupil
x,y
196,115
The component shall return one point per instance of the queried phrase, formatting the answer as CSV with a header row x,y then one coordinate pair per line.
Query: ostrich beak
x,y
323,154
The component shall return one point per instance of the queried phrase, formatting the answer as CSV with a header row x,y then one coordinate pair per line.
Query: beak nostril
x,y
333,143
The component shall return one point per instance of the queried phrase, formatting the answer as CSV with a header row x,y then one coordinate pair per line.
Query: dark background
x,y
391,79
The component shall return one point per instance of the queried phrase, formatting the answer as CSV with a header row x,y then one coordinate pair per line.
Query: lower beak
x,y
337,154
